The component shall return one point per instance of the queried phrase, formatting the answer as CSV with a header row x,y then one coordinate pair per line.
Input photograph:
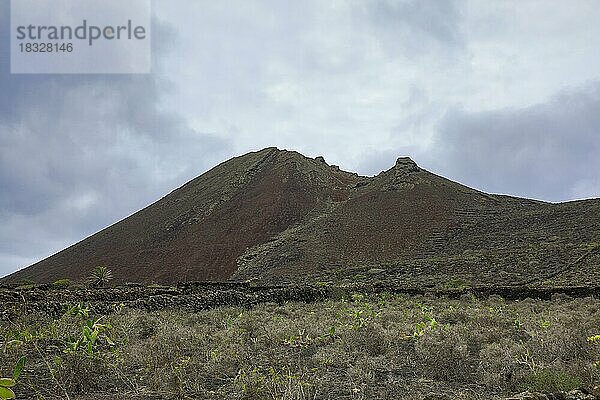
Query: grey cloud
x,y
416,26
547,151
78,152
376,161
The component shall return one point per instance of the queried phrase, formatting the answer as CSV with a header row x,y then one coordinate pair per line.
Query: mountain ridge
x,y
279,217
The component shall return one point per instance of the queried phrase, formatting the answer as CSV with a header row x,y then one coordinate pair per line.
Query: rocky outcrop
x,y
49,300
581,394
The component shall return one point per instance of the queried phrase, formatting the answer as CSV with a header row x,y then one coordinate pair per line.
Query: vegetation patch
x,y
359,346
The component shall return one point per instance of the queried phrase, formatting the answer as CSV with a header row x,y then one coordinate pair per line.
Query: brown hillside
x,y
280,217
198,230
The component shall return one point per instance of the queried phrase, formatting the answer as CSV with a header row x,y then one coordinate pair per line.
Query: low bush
x,y
62,283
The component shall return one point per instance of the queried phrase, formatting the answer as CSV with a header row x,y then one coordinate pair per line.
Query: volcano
x,y
278,217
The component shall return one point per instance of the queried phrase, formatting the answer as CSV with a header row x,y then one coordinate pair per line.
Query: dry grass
x,y
376,347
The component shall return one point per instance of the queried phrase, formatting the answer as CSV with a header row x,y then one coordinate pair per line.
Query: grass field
x,y
359,347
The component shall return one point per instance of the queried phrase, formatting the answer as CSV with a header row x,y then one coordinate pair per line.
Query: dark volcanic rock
x,y
206,295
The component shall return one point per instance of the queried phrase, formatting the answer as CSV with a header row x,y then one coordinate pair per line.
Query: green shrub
x,y
100,277
62,283
456,284
595,340
547,380
6,384
26,285
444,355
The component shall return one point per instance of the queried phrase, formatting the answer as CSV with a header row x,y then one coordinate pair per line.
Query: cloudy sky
x,y
503,96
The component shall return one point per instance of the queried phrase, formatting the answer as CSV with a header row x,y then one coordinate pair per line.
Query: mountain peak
x,y
406,164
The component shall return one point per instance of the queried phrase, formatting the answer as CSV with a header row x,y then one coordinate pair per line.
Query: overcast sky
x,y
502,96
